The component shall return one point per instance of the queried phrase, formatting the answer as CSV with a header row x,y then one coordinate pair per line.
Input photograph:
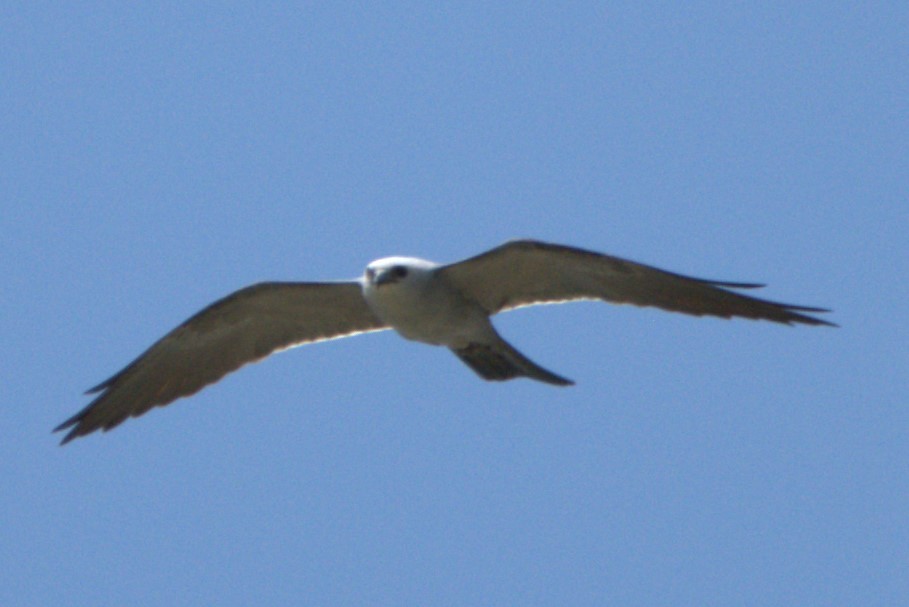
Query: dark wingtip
x,y
74,423
70,436
804,319
73,433
70,422
811,320
736,285
824,323
101,386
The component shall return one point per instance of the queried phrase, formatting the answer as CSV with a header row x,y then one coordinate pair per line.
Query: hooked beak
x,y
379,277
383,277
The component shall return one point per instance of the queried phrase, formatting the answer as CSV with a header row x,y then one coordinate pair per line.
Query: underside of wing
x,y
241,328
527,272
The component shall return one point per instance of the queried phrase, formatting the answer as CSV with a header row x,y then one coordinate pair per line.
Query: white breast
x,y
423,308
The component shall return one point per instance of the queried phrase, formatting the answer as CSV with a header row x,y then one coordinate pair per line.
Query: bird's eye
x,y
399,271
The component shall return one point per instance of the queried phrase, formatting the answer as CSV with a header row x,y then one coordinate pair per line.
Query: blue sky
x,y
155,158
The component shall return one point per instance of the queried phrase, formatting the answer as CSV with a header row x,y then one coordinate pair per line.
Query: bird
x,y
446,305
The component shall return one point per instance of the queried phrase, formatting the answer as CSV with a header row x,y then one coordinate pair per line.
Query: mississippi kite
x,y
444,305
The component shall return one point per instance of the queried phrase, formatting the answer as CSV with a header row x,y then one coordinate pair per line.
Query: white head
x,y
387,271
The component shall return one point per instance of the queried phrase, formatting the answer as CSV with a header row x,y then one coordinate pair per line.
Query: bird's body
x,y
443,305
419,301
420,306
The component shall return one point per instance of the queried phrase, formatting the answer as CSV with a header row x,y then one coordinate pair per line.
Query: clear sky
x,y
154,158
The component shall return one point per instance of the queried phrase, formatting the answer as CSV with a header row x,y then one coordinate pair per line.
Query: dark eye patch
x,y
399,271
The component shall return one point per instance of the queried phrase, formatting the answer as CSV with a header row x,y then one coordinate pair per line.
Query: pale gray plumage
x,y
446,305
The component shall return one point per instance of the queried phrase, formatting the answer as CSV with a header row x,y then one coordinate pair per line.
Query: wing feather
x,y
527,272
241,328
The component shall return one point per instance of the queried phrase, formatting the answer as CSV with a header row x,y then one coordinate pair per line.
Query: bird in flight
x,y
443,305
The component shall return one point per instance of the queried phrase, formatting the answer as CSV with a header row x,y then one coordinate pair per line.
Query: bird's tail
x,y
499,361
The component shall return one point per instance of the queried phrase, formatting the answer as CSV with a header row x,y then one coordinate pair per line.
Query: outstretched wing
x,y
527,272
241,328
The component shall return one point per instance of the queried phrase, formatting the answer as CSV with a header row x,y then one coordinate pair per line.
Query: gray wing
x,y
527,272
241,328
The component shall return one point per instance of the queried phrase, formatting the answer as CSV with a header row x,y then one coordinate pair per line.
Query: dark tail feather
x,y
500,362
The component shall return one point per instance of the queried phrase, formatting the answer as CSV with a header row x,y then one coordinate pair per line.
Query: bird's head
x,y
397,270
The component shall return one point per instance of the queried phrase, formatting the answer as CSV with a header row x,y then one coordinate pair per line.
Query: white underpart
x,y
422,307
